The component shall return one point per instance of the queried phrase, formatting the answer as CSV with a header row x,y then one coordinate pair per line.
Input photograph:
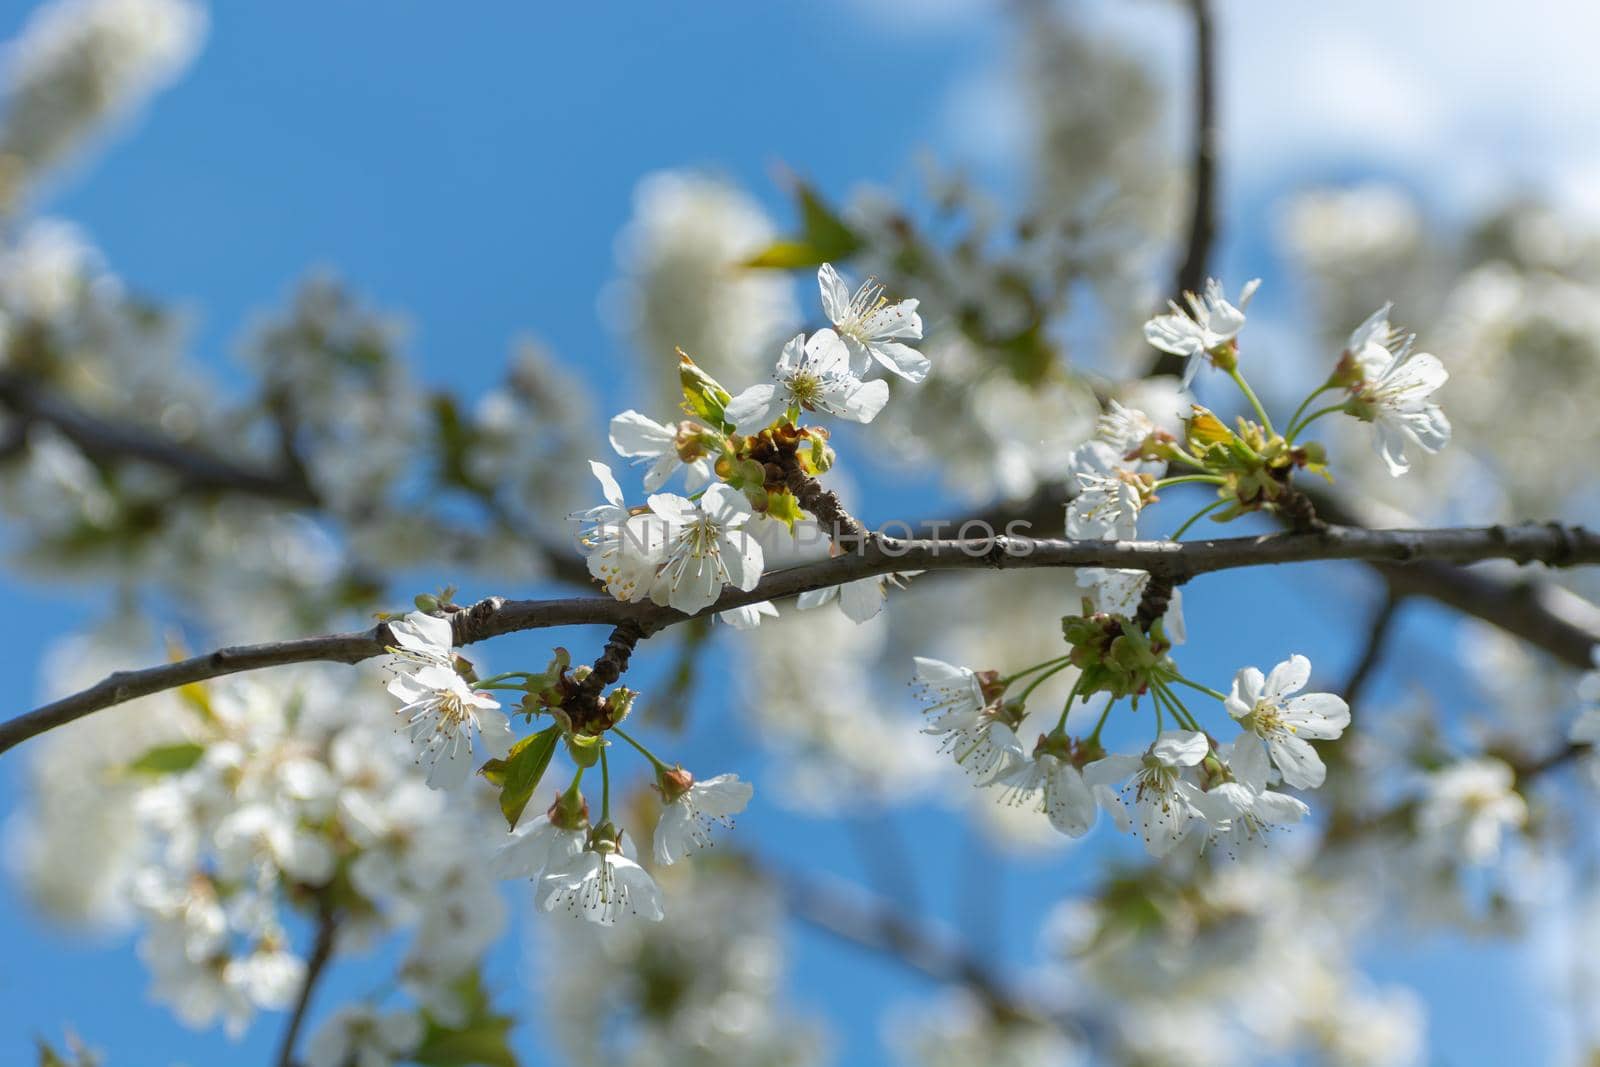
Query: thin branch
x,y
1191,275
1202,229
1551,544
856,916
321,953
1378,632
1542,614
107,439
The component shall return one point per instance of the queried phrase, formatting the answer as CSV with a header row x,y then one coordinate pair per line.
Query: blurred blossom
x,y
700,990
957,1030
224,808
813,693
79,64
681,283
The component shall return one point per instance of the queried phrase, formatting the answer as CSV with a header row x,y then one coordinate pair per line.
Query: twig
x,y
1191,274
1542,614
107,439
1203,170
860,918
1378,632
1551,544
321,953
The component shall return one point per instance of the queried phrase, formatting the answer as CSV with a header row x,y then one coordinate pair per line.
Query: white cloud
x,y
1468,100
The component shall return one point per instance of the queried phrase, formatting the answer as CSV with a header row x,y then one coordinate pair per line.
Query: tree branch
x,y
1544,615
1191,272
111,440
876,923
1378,631
1191,275
1551,544
321,953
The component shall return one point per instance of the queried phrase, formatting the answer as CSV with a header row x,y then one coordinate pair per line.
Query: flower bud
x,y
570,811
618,703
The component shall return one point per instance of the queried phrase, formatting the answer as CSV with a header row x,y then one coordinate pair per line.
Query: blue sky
x,y
473,170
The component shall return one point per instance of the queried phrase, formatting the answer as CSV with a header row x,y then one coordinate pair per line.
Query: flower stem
x,y
1179,712
1094,736
493,679
645,752
1061,723
1008,679
1255,402
571,795
1207,690
1313,417
1212,479
1192,519
605,786
1294,420
1037,682
1184,457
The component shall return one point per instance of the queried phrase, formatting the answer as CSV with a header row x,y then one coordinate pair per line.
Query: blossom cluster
x,y
266,802
454,724
1121,646
742,455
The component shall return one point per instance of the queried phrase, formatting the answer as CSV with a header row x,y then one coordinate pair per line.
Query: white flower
x,y
686,820
1105,509
953,698
749,616
359,1035
1241,811
1468,808
869,325
707,548
982,745
441,714
1058,789
1165,803
423,639
1123,428
264,833
1264,707
812,375
1209,324
948,693
1395,390
623,550
270,977
535,847
860,600
644,440
603,887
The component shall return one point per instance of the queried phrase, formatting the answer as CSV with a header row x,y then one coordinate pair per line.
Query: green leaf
x,y
478,1042
824,237
168,759
787,255
481,1043
518,774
